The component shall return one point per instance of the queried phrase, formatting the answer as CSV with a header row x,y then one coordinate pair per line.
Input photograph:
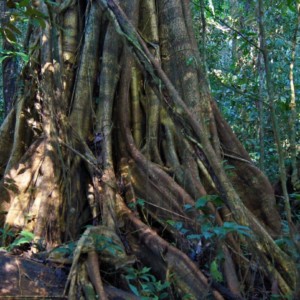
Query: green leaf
x,y
134,289
276,297
229,167
140,202
291,5
232,226
27,234
6,232
171,222
145,270
131,277
23,56
187,207
165,285
190,61
214,271
164,296
235,226
2,58
295,196
20,241
208,235
220,231
145,277
32,12
9,35
194,236
178,225
62,250
52,3
201,202
41,22
13,28
147,288
280,242
132,205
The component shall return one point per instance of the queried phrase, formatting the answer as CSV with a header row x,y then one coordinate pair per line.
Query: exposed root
x,y
189,279
97,242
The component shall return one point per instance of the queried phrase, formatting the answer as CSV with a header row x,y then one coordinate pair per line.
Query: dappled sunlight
x,y
47,67
44,38
188,76
29,279
9,267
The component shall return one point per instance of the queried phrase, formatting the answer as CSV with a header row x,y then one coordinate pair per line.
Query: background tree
x,y
115,127
9,62
236,85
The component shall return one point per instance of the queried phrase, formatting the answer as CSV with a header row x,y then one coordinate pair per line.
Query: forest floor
x,y
25,278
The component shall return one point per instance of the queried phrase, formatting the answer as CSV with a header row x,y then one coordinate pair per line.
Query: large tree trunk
x,y
116,108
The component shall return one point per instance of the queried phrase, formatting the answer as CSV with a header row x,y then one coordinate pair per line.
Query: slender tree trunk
x,y
293,114
271,96
261,77
9,64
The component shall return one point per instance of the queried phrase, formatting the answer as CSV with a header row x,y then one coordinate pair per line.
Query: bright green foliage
x,y
178,226
145,285
208,228
21,12
232,52
202,202
211,233
139,202
214,271
7,54
24,237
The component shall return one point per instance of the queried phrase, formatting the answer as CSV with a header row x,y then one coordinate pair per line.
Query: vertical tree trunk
x,y
9,64
271,96
293,114
261,77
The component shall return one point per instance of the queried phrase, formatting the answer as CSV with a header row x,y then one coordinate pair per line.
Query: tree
x,y
239,84
115,127
9,64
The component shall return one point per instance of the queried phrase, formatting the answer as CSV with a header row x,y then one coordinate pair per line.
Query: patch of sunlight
x,y
48,67
8,267
188,75
44,38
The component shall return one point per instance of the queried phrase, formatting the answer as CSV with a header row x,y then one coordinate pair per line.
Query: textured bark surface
x,y
116,130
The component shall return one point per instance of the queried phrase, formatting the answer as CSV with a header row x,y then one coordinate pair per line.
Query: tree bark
x,y
125,136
